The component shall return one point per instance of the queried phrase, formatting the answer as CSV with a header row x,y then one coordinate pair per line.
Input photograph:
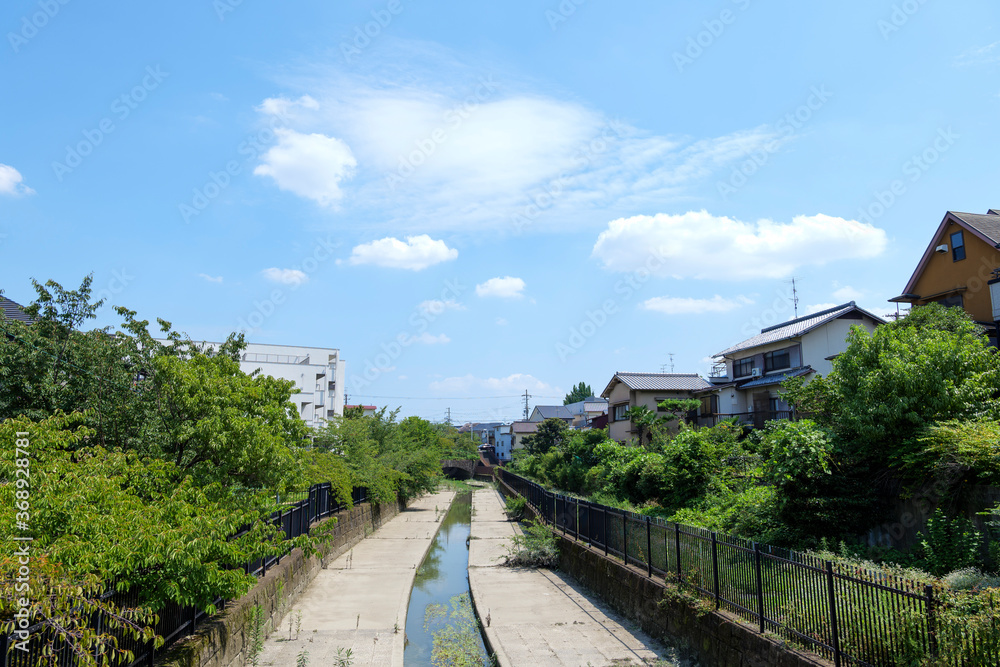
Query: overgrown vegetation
x,y
142,460
457,640
535,547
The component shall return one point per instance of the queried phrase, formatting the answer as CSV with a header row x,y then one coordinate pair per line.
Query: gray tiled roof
x,y
662,381
554,411
987,225
13,310
796,327
524,427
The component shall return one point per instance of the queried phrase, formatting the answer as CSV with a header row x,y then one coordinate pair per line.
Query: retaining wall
x,y
222,640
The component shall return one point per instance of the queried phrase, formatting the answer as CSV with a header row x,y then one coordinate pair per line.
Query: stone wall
x,y
222,640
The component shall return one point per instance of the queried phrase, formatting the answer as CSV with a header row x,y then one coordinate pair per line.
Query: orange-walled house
x,y
958,265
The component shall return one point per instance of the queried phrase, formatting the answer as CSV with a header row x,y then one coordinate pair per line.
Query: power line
x,y
449,398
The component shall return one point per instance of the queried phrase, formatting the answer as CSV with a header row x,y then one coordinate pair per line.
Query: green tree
x,y
550,433
578,393
908,374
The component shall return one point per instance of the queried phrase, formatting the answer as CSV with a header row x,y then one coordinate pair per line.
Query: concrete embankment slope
x,y
359,602
542,617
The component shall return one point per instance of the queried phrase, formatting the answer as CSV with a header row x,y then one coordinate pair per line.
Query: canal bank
x,y
543,617
359,602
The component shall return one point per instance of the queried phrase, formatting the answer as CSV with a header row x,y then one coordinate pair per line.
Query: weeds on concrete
x,y
344,657
535,548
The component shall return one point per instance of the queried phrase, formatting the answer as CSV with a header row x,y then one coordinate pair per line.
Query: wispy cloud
x,y
437,307
979,55
285,276
430,339
441,144
674,305
513,385
211,279
309,165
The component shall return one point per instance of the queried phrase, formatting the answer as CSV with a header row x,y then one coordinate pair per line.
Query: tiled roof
x,y
659,381
776,378
553,411
524,427
988,225
13,310
796,327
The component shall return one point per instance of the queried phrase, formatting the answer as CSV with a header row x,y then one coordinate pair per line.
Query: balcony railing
x,y
752,419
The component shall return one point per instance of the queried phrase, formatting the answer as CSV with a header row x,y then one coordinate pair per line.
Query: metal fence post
x,y
624,538
931,621
677,549
576,520
649,552
760,585
604,511
715,568
833,613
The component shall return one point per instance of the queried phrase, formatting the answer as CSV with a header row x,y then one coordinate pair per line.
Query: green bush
x,y
516,507
950,544
535,548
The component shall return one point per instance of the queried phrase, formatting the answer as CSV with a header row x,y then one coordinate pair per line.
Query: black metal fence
x,y
851,617
176,622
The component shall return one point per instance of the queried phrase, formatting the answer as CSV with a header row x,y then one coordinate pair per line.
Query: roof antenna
x,y
795,299
663,367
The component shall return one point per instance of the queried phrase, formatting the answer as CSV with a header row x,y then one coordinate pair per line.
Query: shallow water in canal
x,y
434,603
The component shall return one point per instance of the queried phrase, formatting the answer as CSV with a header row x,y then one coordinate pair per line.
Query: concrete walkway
x,y
359,602
542,617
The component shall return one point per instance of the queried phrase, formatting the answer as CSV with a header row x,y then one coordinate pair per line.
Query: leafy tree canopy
x,y
550,433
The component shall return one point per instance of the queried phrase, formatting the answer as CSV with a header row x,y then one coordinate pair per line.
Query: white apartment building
x,y
318,374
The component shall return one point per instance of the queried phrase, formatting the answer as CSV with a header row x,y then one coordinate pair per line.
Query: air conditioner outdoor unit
x,y
755,372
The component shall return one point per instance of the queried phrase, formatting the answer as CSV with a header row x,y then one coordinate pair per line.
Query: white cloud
x,y
416,253
675,305
847,293
439,146
309,165
501,322
815,308
429,339
504,288
211,279
437,307
511,385
11,182
697,244
282,107
285,276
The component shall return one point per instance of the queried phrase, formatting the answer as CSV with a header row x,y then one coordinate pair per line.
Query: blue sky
x,y
473,200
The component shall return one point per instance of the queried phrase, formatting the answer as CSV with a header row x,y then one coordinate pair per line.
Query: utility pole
x,y
526,397
447,419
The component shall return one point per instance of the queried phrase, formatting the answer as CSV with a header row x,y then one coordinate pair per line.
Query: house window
x,y
710,404
743,367
777,360
957,246
620,411
951,301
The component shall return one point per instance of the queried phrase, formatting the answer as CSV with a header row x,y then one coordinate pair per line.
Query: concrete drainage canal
x,y
441,626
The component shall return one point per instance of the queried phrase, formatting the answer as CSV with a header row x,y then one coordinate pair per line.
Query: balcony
x,y
751,419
